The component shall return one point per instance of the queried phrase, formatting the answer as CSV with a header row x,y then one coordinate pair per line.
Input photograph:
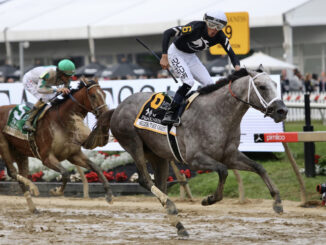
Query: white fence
x,y
295,102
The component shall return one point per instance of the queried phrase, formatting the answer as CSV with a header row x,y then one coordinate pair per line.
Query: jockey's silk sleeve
x,y
43,87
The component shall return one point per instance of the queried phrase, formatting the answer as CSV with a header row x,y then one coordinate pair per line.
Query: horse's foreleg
x,y
83,161
204,162
52,162
22,163
105,182
135,148
244,163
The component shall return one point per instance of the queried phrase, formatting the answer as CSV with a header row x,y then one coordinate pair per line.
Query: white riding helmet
x,y
215,19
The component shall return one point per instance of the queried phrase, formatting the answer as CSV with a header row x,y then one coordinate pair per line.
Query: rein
x,y
95,111
265,109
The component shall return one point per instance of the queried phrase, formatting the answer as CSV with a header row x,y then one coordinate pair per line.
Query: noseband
x,y
95,111
265,106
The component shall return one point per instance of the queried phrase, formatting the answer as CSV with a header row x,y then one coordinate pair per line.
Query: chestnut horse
x,y
59,134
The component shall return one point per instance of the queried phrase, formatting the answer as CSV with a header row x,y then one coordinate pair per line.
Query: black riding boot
x,y
171,115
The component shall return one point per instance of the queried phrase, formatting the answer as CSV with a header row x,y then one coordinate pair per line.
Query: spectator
x,y
307,83
285,83
296,83
322,82
315,82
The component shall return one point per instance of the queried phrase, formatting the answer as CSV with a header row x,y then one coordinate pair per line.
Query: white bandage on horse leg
x,y
30,203
33,188
159,194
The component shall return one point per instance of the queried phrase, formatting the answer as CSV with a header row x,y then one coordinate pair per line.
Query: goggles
x,y
214,23
216,26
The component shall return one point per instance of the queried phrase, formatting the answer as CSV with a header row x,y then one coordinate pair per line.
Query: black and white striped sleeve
x,y
172,32
227,47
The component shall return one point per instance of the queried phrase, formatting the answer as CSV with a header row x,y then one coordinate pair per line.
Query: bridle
x,y
265,106
95,111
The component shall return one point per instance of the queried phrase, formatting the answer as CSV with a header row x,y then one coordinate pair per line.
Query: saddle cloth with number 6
x,y
151,114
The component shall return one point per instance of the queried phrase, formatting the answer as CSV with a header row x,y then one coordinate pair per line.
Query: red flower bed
x,y
109,175
36,176
120,177
170,179
186,173
2,175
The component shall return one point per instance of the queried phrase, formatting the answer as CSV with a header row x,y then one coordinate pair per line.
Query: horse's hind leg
x,y
134,146
81,160
244,163
161,170
204,162
24,182
52,162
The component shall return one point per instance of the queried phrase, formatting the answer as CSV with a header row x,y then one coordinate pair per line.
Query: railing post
x,y
309,147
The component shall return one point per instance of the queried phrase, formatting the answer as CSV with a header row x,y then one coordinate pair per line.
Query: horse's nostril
x,y
281,111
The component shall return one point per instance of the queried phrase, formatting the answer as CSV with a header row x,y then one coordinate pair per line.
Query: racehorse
x,y
208,137
58,136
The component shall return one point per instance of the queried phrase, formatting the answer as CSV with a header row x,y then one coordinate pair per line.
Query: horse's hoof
x,y
109,199
209,200
34,192
35,211
278,208
56,192
183,233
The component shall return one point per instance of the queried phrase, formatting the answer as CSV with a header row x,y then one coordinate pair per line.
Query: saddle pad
x,y
17,118
152,112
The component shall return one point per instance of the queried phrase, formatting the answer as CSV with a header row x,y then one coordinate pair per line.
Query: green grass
x,y
279,169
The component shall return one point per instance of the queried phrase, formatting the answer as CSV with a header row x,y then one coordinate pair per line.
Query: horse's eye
x,y
93,96
262,87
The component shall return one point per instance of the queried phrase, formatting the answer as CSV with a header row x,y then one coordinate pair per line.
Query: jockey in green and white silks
x,y
39,82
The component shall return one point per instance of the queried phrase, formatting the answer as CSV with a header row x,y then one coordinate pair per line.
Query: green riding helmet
x,y
67,67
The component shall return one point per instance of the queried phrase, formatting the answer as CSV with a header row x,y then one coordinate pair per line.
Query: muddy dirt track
x,y
141,220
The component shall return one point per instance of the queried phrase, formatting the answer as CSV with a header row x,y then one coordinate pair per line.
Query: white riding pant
x,y
188,67
31,87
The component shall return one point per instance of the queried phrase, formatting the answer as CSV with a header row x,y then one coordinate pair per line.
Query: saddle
x,y
153,110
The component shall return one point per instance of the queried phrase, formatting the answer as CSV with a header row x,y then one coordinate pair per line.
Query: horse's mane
x,y
81,85
223,81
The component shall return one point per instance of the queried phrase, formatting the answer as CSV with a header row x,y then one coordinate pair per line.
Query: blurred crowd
x,y
296,82
310,82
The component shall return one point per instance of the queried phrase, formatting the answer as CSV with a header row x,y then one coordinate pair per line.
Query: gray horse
x,y
208,137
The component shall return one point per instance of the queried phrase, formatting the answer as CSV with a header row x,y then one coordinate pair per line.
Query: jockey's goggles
x,y
214,23
215,26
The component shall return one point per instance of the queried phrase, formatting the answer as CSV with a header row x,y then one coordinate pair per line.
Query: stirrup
x,y
28,128
176,122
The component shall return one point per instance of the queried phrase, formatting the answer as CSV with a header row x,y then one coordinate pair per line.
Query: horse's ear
x,y
96,79
260,68
85,82
83,79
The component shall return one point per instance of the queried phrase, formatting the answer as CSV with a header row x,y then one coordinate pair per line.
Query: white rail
x,y
295,102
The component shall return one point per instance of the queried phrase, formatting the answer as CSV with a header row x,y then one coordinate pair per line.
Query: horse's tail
x,y
100,133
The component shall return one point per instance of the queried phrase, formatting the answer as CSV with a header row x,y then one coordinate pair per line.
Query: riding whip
x,y
156,56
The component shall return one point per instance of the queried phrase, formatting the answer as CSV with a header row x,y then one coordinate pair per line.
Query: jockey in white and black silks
x,y
193,37
39,82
